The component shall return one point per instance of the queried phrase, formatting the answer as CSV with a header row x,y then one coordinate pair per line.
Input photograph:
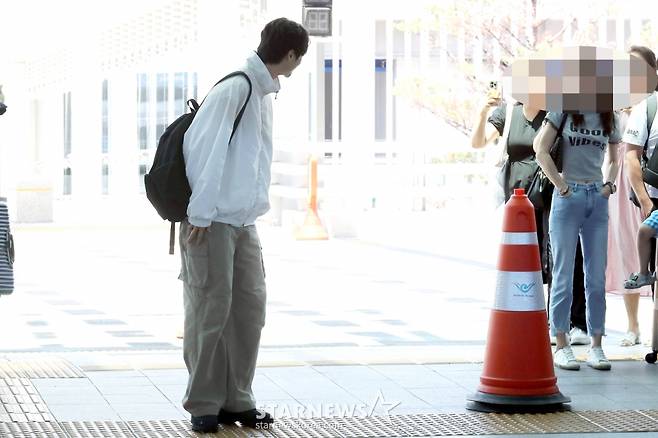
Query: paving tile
x,y
350,372
401,395
105,375
441,396
116,386
84,412
73,399
167,377
151,397
336,323
147,411
588,402
629,393
61,383
174,393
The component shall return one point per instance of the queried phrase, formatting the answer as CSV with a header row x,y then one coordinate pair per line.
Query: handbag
x,y
541,187
6,252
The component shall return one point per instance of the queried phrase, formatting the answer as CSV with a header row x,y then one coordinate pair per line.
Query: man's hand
x,y
646,206
196,235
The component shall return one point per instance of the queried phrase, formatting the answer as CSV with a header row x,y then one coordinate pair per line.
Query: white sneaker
x,y
565,359
578,337
597,360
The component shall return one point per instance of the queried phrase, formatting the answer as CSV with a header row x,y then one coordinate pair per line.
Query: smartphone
x,y
494,90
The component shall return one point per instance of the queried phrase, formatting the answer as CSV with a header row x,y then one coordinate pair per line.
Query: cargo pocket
x,y
195,264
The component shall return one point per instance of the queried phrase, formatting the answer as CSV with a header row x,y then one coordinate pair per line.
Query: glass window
x,y
67,124
180,93
105,118
67,186
105,179
142,111
195,85
143,168
162,104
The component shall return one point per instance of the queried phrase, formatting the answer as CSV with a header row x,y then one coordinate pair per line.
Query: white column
x,y
603,31
620,32
86,99
358,121
220,50
123,142
336,53
318,84
390,56
358,77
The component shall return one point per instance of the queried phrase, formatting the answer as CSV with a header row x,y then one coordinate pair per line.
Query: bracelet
x,y
613,187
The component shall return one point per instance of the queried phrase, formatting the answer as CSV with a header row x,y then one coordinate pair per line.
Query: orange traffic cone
x,y
518,373
312,228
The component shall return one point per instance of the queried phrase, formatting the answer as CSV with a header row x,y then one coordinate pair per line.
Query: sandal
x,y
638,280
630,339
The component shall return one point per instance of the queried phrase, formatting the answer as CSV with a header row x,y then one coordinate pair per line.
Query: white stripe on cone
x,y
519,291
519,239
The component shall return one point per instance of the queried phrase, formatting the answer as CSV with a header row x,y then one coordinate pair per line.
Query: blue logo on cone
x,y
524,287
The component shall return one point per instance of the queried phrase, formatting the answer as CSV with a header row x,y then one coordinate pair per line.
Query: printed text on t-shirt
x,y
582,140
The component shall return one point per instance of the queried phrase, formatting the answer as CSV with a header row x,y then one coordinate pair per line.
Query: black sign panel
x,y
317,21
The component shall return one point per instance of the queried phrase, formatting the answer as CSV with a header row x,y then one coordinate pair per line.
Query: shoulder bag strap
x,y
651,114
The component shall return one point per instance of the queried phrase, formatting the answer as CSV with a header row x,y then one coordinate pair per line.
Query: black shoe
x,y
252,418
204,423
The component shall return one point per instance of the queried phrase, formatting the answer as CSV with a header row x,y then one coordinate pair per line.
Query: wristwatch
x,y
613,187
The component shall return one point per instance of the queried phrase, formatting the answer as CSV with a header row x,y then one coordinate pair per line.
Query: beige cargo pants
x,y
224,298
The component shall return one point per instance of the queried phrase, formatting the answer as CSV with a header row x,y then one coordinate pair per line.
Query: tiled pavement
x,y
114,290
106,299
307,393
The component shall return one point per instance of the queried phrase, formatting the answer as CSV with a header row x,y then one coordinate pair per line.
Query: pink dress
x,y
623,225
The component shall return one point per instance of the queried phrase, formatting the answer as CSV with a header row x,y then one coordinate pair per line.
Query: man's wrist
x,y
564,190
611,186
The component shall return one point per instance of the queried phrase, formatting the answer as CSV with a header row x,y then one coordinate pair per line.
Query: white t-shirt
x,y
636,134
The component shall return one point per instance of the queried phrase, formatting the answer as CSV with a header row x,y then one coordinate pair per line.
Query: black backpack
x,y
167,187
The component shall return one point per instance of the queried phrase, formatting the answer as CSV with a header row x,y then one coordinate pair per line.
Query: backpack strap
x,y
172,237
652,162
561,128
504,138
241,113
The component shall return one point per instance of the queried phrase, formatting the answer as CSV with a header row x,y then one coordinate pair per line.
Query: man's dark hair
x,y
279,37
646,54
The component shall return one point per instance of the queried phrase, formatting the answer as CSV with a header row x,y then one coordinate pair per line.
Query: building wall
x,y
342,98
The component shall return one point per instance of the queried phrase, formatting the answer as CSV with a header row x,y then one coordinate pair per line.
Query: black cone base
x,y
492,403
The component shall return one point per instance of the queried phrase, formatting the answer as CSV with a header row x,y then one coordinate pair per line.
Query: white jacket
x,y
230,182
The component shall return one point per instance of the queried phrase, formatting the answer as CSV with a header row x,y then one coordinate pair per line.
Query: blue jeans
x,y
583,212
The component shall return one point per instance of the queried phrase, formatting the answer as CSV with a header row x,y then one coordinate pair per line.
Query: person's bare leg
x,y
561,340
632,302
644,236
596,340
